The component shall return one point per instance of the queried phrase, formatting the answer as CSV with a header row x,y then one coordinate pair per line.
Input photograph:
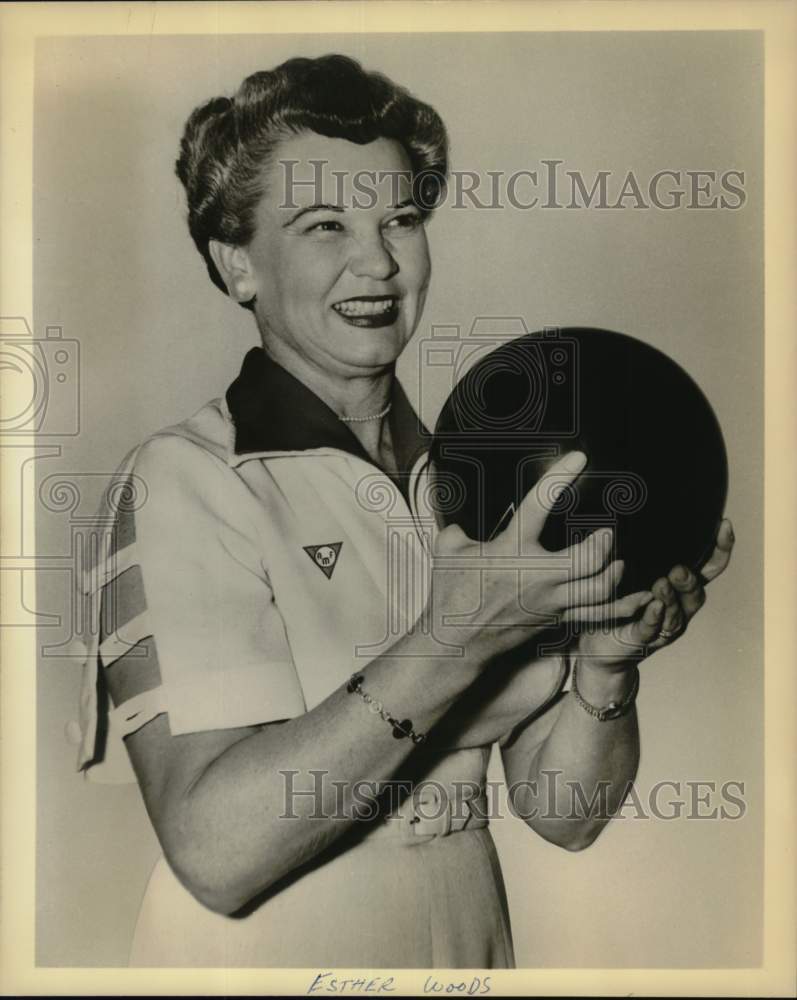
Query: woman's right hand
x,y
491,596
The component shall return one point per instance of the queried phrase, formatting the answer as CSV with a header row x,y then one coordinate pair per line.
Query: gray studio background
x,y
115,268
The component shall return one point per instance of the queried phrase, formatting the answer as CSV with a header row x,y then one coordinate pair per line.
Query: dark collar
x,y
272,411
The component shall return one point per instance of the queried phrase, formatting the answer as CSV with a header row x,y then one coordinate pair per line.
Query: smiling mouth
x,y
369,310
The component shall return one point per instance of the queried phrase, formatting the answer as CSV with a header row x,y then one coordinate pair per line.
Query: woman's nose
x,y
372,259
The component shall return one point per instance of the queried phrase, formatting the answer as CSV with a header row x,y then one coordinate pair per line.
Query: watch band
x,y
614,709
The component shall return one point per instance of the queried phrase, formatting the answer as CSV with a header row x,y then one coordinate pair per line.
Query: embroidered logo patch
x,y
324,556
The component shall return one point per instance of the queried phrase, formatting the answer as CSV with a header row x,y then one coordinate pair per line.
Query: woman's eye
x,y
408,220
326,226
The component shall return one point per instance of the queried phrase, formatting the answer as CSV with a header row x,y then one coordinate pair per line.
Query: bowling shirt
x,y
264,553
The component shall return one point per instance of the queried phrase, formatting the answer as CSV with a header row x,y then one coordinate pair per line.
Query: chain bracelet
x,y
401,729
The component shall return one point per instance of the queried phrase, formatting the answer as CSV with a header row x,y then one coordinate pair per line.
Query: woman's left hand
x,y
676,599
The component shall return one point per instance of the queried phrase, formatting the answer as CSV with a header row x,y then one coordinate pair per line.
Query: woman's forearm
x,y
567,787
514,688
278,797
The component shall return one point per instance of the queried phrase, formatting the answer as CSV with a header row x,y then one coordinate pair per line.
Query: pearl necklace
x,y
371,416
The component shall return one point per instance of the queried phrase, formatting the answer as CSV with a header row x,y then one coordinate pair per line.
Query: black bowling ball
x,y
657,467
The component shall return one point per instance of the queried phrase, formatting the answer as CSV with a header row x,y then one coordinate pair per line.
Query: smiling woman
x,y
323,278
257,691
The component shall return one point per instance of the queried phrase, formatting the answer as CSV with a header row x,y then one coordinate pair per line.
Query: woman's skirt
x,y
396,898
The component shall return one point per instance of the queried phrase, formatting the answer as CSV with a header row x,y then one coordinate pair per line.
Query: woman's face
x,y
340,275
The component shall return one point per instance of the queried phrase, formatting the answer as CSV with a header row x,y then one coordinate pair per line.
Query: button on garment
x,y
268,559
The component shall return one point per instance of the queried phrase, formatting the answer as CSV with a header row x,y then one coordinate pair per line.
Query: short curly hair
x,y
228,140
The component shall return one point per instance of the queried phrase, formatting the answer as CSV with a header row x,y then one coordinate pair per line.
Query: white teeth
x,y
358,307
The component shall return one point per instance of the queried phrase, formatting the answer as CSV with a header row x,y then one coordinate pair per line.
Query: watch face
x,y
612,711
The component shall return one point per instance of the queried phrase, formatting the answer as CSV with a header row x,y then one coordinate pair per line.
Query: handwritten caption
x,y
326,982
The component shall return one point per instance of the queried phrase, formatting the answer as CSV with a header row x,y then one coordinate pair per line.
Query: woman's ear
x,y
235,268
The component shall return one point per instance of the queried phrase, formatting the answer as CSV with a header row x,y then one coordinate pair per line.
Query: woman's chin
x,y
377,360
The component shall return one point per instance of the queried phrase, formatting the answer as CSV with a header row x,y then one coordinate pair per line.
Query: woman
x,y
270,639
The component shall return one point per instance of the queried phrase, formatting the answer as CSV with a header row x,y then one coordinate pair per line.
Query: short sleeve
x,y
176,538
221,644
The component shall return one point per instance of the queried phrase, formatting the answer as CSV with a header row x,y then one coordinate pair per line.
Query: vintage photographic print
x,y
389,416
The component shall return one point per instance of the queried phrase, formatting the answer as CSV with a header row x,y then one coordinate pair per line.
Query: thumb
x,y
534,508
450,538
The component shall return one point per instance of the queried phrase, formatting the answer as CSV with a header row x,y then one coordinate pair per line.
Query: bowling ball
x,y
656,468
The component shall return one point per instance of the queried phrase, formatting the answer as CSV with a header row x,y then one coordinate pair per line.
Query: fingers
x,y
681,596
595,614
673,619
721,555
590,590
540,499
590,555
689,590
649,625
634,639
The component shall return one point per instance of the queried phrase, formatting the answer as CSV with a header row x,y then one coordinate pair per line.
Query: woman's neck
x,y
348,396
